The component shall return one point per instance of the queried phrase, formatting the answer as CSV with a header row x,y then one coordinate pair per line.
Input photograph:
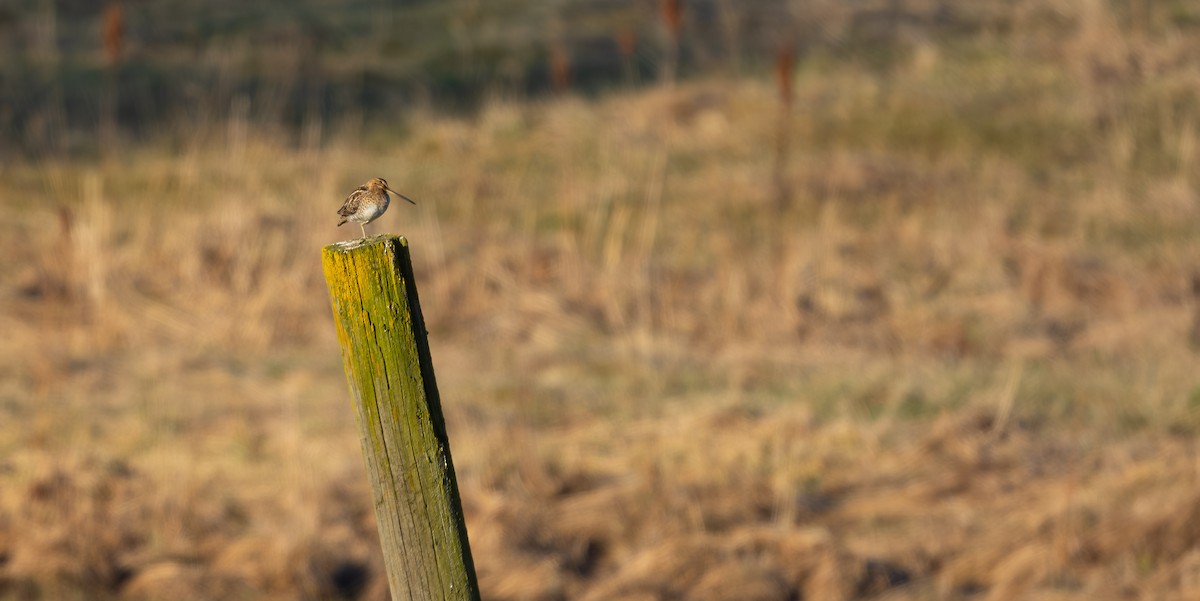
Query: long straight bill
x,y
401,195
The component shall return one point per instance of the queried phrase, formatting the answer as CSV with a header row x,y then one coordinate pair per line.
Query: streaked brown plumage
x,y
367,203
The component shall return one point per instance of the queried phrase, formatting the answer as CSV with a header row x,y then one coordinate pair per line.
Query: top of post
x,y
346,246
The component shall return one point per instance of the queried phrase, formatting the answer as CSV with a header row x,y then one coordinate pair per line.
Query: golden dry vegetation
x,y
958,361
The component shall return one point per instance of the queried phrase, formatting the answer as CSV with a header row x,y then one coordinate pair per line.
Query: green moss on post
x,y
387,361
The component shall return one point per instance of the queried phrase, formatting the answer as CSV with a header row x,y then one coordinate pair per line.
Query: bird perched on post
x,y
367,203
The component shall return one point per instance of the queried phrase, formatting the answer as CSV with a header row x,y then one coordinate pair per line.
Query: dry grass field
x,y
948,350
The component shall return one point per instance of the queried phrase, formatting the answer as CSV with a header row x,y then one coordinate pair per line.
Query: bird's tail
x,y
342,222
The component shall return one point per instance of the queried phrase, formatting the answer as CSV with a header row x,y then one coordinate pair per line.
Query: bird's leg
x,y
364,229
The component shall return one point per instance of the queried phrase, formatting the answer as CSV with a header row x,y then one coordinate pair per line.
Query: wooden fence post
x,y
386,354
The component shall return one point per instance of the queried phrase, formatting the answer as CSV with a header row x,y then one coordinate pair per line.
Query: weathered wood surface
x,y
386,354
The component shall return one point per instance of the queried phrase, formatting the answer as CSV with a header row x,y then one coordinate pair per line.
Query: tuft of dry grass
x,y
958,365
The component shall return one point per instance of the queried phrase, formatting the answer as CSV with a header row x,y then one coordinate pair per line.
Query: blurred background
x,y
754,300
